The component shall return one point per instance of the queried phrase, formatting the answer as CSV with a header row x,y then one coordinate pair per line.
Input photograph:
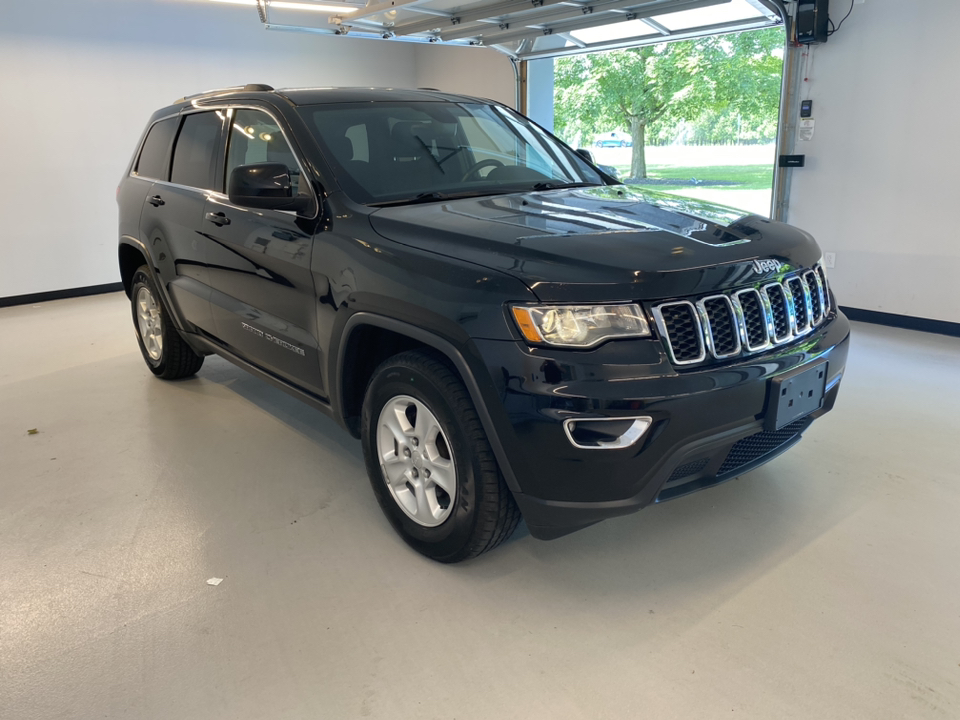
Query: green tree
x,y
662,85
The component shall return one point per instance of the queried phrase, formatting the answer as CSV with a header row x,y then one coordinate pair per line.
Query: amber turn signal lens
x,y
526,324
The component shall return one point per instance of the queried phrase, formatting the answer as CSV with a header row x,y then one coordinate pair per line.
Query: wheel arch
x,y
130,257
387,337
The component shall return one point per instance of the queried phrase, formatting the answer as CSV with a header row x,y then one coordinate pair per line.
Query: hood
x,y
601,244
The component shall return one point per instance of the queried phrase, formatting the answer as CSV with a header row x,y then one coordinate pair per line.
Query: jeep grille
x,y
743,321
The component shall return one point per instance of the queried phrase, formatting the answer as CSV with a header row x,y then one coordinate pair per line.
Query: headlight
x,y
580,326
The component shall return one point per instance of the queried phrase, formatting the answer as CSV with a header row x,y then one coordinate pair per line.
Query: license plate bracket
x,y
795,395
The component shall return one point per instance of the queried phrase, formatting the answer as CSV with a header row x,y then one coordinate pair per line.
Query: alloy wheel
x,y
149,323
416,460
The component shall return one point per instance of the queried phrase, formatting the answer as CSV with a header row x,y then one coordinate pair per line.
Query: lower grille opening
x,y
756,446
686,470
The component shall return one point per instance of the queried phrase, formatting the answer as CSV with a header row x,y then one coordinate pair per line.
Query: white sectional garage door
x,y
527,29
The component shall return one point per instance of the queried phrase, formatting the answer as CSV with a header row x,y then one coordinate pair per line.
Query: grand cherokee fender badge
x,y
765,266
274,339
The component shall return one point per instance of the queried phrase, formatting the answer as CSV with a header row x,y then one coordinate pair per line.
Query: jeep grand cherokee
x,y
506,329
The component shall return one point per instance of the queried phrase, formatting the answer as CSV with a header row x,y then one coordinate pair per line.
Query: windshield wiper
x,y
562,185
423,197
433,196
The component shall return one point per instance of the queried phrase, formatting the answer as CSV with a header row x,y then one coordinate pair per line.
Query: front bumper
x,y
708,423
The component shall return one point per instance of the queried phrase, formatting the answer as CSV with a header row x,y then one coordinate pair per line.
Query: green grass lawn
x,y
747,177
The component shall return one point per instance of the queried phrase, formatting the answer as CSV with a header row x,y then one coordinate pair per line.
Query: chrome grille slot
x,y
722,331
826,289
755,326
812,281
801,304
679,324
779,312
749,320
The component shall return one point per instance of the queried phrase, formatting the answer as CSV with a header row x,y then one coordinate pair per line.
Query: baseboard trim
x,y
907,322
60,294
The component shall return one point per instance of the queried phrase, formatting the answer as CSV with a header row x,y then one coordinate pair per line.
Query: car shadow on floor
x,y
307,421
721,536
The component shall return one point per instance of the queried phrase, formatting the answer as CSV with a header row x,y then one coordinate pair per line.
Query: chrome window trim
x,y
293,148
217,193
708,333
641,423
662,327
179,186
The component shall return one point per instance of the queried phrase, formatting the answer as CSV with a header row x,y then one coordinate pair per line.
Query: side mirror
x,y
267,186
586,155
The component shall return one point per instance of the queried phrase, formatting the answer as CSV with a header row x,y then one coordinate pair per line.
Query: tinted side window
x,y
154,158
195,156
256,138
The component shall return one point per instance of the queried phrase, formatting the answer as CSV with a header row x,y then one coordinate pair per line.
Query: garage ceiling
x,y
523,29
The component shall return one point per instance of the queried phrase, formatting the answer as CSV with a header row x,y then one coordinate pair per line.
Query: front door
x,y
258,262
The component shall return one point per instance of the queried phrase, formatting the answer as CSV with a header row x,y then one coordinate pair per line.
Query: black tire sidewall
x,y
449,538
142,279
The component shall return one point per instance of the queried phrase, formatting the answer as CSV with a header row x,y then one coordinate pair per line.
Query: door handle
x,y
218,219
156,201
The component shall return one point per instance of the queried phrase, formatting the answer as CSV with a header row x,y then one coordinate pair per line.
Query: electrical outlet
x,y
829,259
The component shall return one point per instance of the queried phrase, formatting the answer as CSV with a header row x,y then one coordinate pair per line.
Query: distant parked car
x,y
614,139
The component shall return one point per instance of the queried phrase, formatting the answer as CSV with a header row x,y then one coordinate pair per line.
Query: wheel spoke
x,y
407,500
425,508
443,476
424,422
391,419
393,469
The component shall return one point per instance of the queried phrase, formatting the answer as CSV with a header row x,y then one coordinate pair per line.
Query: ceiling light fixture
x,y
332,8
317,7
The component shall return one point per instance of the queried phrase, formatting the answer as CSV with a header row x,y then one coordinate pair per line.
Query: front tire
x,y
430,463
166,353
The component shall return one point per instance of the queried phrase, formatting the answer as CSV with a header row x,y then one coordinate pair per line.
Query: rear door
x,y
263,297
172,219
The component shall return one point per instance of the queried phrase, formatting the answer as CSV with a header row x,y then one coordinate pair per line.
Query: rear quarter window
x,y
154,160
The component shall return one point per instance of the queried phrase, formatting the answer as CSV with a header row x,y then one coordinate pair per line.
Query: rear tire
x,y
430,463
166,353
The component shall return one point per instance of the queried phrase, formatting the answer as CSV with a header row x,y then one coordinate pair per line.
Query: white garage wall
x,y
881,185
478,71
80,80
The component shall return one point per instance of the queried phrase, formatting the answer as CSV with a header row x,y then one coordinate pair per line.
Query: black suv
x,y
507,329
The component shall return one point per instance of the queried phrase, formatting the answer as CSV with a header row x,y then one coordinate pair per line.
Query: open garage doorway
x,y
696,118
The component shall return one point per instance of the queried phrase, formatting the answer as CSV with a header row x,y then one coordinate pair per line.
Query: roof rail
x,y
252,87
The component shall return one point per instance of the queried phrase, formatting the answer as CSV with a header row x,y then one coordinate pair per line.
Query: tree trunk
x,y
638,159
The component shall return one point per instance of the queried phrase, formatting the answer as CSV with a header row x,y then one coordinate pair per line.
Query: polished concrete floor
x,y
824,585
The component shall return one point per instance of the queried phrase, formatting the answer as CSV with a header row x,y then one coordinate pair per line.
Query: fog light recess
x,y
605,433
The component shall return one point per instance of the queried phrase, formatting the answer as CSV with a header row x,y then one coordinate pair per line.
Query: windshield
x,y
398,152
